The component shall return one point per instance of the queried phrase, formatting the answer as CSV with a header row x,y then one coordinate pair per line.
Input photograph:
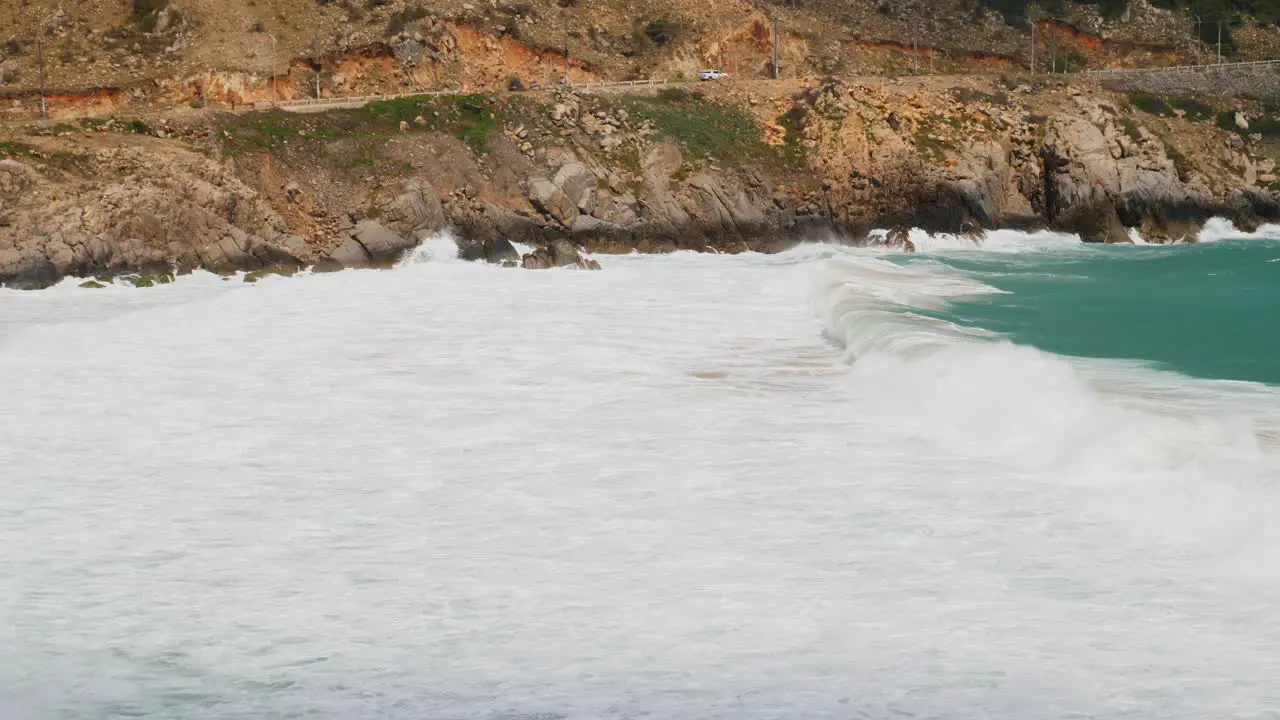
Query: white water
x,y
660,490
1220,229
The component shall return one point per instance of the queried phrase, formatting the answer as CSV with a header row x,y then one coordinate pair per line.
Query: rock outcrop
x,y
848,159
560,253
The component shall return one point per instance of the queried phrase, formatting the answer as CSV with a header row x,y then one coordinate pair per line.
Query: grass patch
x,y
793,122
933,136
1150,104
704,128
1266,124
1195,110
931,148
470,118
13,149
970,96
1129,129
1169,106
113,124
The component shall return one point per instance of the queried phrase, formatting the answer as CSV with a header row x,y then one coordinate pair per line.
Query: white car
x,y
712,75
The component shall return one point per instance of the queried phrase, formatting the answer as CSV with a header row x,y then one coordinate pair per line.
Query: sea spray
x,y
445,490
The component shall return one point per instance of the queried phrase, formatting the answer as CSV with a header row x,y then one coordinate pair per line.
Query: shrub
x,y
660,32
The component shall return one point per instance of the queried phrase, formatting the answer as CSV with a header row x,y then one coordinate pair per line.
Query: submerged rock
x,y
560,253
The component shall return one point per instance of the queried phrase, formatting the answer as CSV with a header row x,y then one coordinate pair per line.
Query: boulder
x,y
347,255
592,231
415,208
24,270
380,244
500,251
578,184
550,199
560,253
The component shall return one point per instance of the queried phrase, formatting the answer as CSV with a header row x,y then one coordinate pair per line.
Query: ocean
x,y
1035,479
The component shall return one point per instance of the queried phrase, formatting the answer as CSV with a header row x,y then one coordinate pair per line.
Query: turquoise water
x,y
1208,310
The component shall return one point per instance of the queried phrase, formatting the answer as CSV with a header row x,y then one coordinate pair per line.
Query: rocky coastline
x,y
734,170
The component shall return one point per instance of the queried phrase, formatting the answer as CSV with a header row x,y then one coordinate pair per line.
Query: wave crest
x,y
968,388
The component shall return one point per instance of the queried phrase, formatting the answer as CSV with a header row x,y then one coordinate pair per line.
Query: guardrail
x,y
1187,68
366,99
360,100
349,100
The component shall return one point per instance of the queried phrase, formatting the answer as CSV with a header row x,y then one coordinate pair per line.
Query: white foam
x,y
1221,229
441,247
876,311
988,241
445,491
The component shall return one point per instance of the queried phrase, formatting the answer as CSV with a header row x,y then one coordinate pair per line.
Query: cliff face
x,y
165,52
741,168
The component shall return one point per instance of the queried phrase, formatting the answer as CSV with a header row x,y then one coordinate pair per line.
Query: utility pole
x,y
915,53
274,58
1219,42
1053,52
44,105
1033,42
776,73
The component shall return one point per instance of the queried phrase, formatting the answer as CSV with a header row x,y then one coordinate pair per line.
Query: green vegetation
x,y
1190,108
1180,161
1266,124
704,128
470,118
146,281
935,134
1130,129
1150,104
146,12
1194,109
112,124
1073,61
13,149
793,122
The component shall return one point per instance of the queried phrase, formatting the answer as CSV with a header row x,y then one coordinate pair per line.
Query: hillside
x,y
152,160
189,51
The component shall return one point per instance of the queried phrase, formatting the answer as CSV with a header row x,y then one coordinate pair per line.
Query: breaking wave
x,y
972,388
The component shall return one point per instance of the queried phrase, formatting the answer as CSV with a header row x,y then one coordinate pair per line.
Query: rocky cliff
x,y
742,167
114,55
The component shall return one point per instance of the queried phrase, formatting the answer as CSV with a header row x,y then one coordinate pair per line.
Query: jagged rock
x,y
501,251
414,209
25,269
409,52
618,210
539,259
578,184
587,228
560,253
349,254
548,197
380,244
